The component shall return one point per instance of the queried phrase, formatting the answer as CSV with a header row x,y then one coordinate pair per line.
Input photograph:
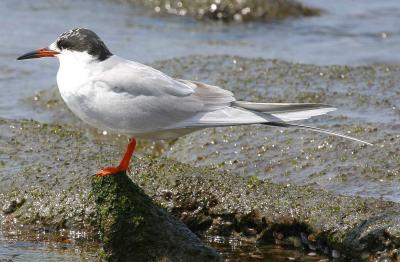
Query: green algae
x,y
60,200
364,111
41,193
210,202
224,200
132,226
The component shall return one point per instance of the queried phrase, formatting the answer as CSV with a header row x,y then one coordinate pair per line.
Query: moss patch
x,y
132,226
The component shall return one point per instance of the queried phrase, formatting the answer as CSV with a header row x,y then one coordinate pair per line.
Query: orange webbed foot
x,y
108,171
123,165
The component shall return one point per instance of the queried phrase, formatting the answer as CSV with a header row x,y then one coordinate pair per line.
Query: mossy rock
x,y
47,168
48,185
132,226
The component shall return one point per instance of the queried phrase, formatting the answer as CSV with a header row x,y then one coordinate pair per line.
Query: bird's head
x,y
78,40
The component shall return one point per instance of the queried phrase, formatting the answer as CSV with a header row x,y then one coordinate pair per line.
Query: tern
x,y
122,96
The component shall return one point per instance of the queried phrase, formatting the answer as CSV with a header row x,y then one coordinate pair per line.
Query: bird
x,y
126,97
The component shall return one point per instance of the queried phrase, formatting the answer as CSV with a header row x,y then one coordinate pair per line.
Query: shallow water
x,y
16,250
229,249
356,33
236,250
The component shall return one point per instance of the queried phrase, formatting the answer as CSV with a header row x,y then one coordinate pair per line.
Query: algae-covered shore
x,y
52,192
255,185
243,193
367,99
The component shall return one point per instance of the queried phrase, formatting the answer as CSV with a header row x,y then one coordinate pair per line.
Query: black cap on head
x,y
81,39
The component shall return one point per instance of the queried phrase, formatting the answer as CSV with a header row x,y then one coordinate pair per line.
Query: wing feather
x,y
213,97
137,79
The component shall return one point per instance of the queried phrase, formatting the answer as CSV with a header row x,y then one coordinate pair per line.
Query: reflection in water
x,y
236,250
15,251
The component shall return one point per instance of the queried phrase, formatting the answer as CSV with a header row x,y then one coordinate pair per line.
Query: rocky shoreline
x,y
48,192
52,190
366,98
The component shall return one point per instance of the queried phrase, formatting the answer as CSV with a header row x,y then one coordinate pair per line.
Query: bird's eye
x,y
64,44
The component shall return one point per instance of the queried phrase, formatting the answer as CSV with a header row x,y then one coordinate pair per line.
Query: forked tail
x,y
316,129
277,114
270,114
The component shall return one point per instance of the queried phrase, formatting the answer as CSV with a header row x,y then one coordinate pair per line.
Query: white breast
x,y
74,79
75,70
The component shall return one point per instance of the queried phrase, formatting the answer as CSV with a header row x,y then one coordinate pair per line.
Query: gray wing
x,y
144,99
140,80
136,79
213,97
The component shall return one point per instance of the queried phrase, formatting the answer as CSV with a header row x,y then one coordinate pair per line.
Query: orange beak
x,y
38,53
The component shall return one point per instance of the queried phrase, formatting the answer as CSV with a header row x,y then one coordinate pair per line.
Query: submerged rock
x,y
230,10
48,169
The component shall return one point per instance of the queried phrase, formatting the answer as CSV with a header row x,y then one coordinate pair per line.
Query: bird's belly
x,y
120,114
107,115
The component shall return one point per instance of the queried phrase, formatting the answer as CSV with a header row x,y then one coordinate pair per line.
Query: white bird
x,y
123,96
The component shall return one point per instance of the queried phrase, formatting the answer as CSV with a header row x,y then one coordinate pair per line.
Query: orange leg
x,y
123,165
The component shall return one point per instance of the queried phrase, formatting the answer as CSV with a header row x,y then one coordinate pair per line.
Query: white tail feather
x,y
320,130
272,114
279,107
287,111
